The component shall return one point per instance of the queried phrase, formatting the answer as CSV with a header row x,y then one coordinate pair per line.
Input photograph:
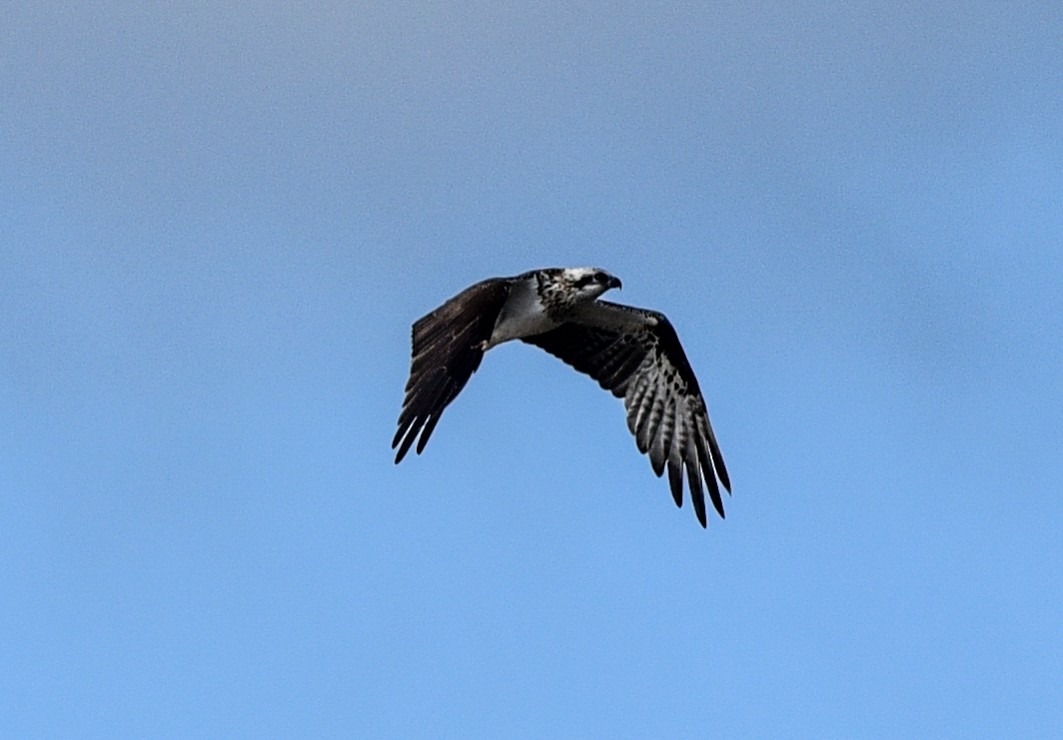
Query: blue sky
x,y
218,225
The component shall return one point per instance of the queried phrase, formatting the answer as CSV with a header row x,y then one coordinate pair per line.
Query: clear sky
x,y
217,225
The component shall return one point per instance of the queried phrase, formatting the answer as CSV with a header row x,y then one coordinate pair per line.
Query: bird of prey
x,y
632,352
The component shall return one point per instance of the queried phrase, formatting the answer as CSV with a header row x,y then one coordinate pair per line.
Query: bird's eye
x,y
600,277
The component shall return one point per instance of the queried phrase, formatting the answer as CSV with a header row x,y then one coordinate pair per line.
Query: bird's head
x,y
589,282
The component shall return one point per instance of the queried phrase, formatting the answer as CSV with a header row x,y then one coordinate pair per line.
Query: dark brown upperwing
x,y
446,352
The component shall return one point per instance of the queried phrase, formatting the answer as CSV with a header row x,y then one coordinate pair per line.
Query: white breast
x,y
521,316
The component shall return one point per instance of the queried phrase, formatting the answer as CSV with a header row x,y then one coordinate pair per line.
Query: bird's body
x,y
522,314
632,352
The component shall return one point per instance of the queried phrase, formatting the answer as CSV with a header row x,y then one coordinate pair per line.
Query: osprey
x,y
632,352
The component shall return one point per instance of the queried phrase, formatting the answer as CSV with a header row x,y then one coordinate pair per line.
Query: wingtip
x,y
404,443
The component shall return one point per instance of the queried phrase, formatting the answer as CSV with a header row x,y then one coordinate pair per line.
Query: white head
x,y
589,282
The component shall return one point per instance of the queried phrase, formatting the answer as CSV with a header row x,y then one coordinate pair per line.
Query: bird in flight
x,y
632,352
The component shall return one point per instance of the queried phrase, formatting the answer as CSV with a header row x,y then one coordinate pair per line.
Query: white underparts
x,y
521,316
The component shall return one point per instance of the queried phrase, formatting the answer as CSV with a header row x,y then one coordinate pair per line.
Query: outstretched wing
x,y
446,352
636,354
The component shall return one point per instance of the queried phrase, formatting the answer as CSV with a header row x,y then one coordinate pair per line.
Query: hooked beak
x,y
614,282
